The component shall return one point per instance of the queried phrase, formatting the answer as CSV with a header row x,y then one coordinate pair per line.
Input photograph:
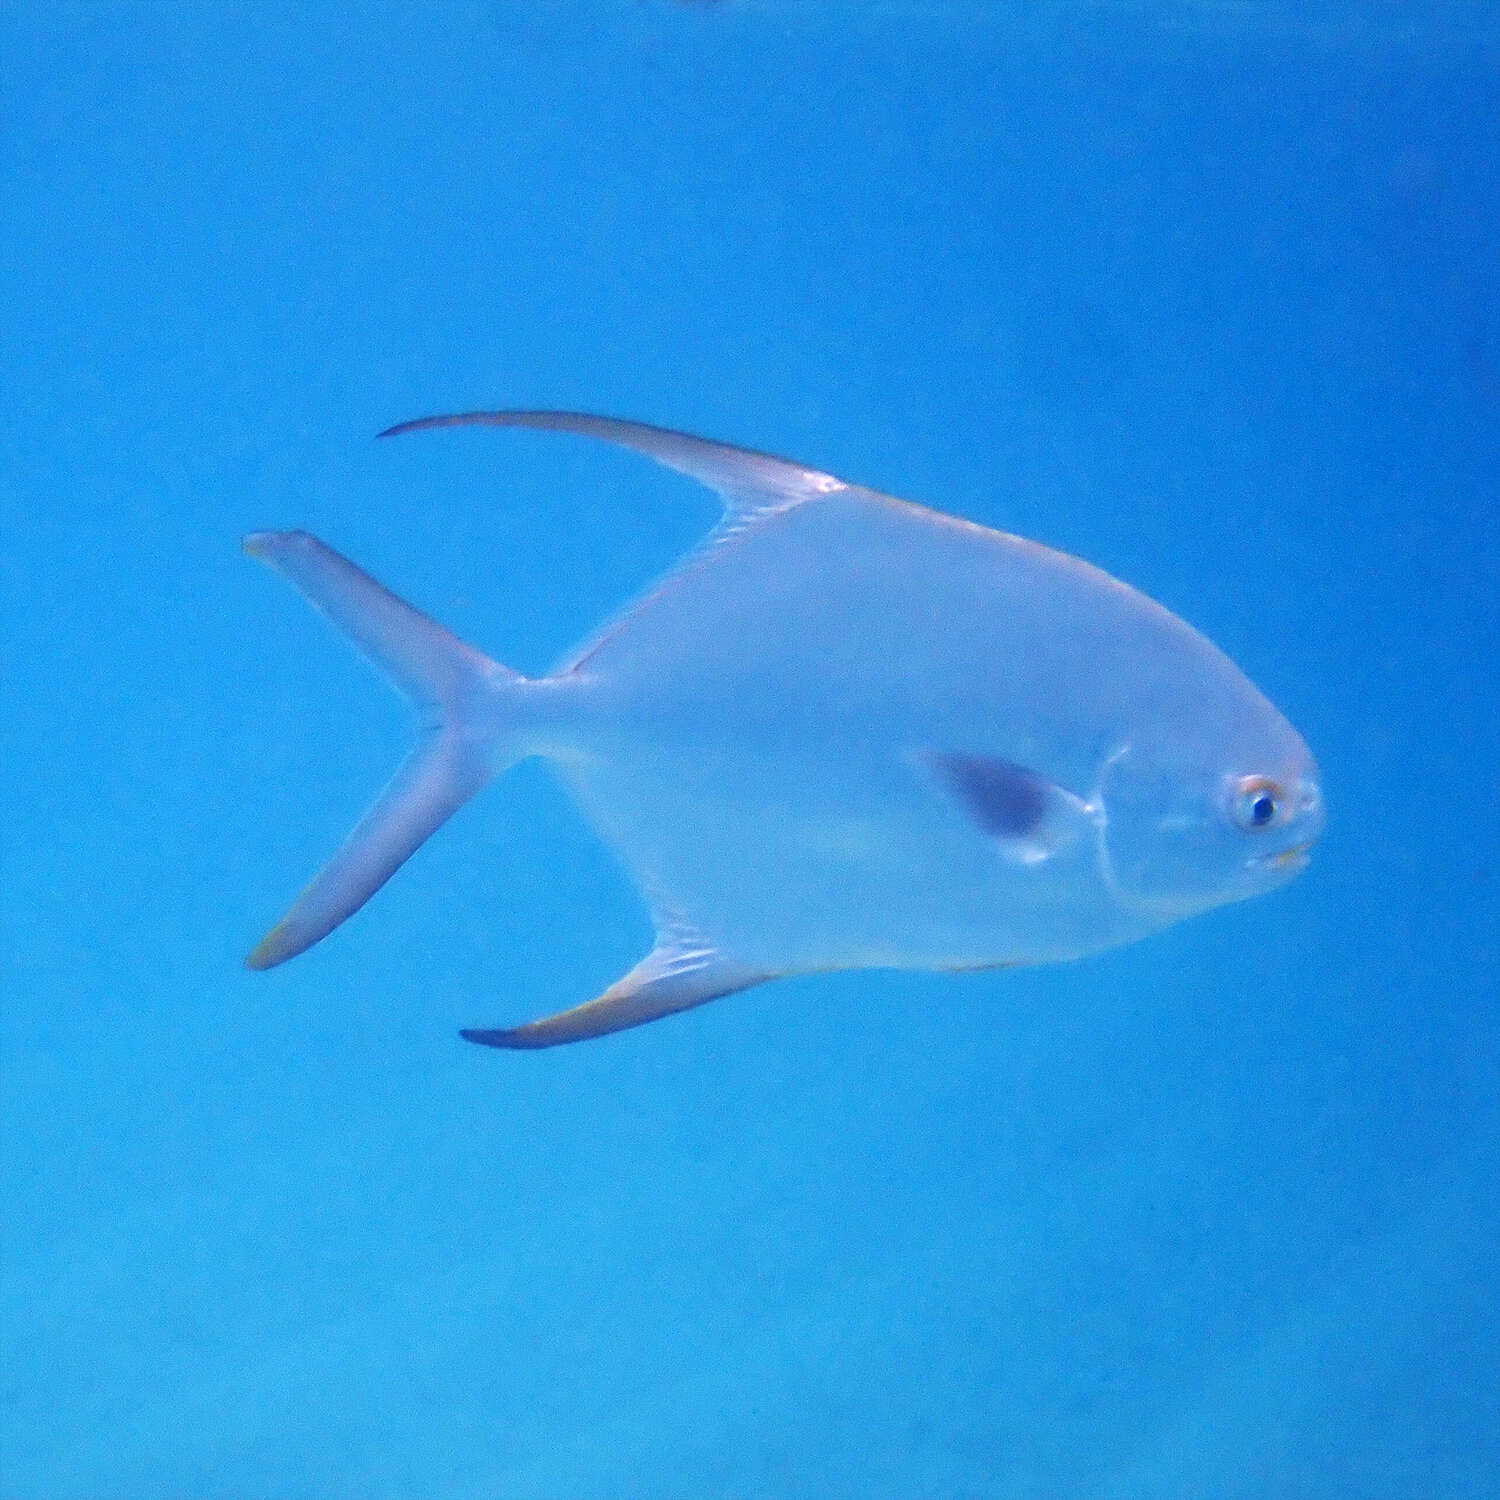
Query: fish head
x,y
1207,820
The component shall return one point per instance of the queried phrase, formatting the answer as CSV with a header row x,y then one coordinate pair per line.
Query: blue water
x,y
1208,294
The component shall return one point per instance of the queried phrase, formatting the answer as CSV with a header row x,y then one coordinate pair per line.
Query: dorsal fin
x,y
751,484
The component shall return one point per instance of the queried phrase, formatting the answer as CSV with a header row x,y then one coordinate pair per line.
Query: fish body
x,y
847,732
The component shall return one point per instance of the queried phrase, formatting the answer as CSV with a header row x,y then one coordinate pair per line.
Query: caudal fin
x,y
467,709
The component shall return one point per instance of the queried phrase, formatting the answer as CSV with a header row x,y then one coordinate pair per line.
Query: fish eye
x,y
1256,803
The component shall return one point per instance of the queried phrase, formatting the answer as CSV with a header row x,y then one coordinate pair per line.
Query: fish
x,y
844,732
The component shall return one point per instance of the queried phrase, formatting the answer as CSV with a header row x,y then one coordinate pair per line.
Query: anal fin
x,y
673,977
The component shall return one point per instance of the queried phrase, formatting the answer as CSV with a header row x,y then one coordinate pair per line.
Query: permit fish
x,y
845,732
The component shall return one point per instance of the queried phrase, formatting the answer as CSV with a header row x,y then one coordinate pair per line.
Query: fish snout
x,y
1299,828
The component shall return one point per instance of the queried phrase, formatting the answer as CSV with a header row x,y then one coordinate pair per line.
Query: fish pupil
x,y
1262,810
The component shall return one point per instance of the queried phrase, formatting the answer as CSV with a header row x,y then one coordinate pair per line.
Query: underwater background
x,y
1207,293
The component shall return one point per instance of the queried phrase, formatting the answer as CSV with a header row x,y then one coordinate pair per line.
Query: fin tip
x,y
274,948
491,1037
445,419
270,546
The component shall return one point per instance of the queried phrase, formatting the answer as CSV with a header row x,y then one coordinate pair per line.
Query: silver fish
x,y
846,732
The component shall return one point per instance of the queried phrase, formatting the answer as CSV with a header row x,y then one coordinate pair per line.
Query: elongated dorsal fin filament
x,y
750,483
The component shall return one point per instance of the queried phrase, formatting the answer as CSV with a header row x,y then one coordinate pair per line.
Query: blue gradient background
x,y
1206,294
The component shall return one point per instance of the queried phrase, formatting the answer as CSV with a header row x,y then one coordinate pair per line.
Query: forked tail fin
x,y
469,706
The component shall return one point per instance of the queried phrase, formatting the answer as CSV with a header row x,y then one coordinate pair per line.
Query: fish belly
x,y
793,864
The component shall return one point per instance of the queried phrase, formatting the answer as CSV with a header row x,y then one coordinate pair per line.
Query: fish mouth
x,y
1290,860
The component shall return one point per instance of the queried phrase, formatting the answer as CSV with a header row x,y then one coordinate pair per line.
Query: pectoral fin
x,y
1028,816
671,978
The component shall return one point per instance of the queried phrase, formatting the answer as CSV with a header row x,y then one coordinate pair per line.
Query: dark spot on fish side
x,y
1004,799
